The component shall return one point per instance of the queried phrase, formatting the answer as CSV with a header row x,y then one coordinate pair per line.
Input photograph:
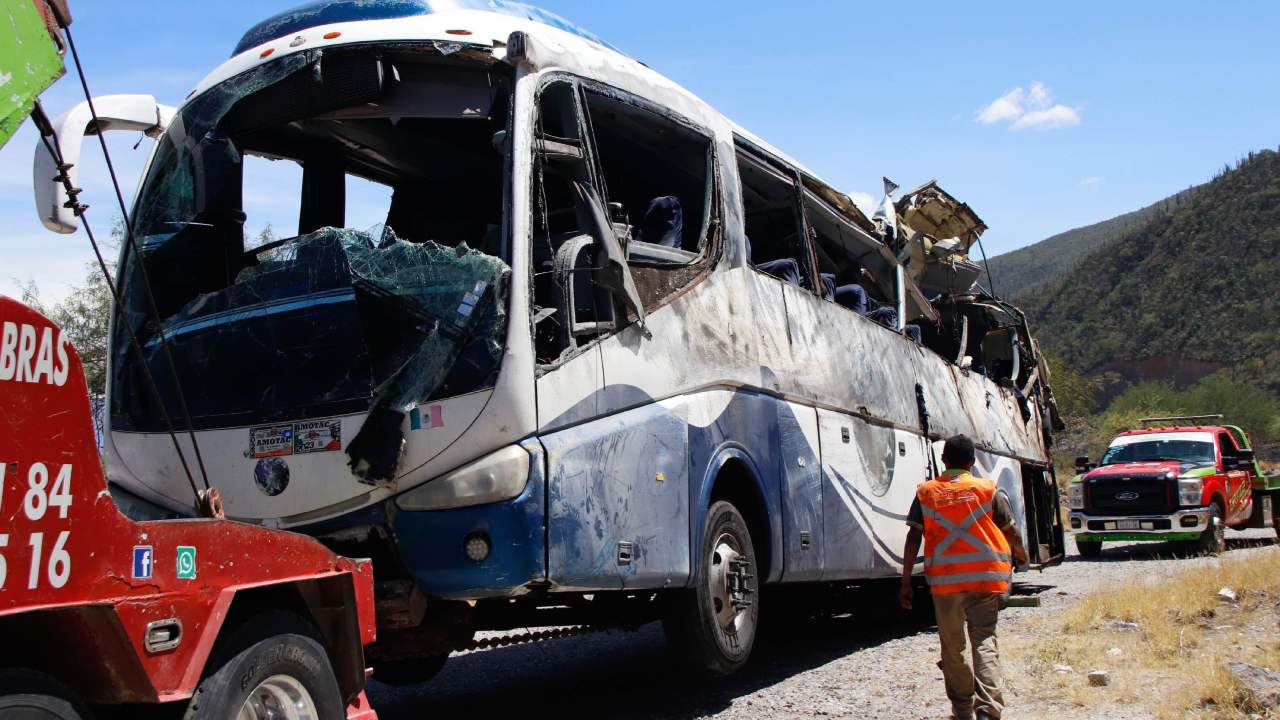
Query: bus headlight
x,y
1075,496
493,478
1190,491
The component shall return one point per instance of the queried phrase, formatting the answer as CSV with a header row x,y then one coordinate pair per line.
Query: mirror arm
x,y
56,207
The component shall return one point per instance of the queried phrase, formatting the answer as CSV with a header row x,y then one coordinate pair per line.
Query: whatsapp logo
x,y
186,562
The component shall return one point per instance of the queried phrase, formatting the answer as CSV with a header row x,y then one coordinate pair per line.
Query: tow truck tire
x,y
29,695
1089,549
271,661
709,627
1213,541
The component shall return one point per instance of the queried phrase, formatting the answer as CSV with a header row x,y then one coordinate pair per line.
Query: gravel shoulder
x,y
870,663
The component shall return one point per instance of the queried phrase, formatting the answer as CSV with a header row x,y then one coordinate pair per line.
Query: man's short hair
x,y
958,452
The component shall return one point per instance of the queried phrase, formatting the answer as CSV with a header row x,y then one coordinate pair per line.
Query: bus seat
x,y
663,222
886,315
785,269
852,296
828,286
912,331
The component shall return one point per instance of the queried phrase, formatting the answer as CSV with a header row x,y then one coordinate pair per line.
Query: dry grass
x,y
1174,663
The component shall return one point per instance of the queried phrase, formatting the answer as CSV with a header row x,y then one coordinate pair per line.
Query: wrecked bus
x,y
606,358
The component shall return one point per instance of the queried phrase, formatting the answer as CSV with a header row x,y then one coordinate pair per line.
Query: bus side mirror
x,y
115,112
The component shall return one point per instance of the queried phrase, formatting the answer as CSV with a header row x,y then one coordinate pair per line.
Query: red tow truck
x,y
1182,479
102,614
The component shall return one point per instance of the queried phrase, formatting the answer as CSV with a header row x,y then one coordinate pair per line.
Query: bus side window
x,y
655,172
851,271
570,309
771,216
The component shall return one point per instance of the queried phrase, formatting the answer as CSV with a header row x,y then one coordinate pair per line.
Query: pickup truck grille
x,y
1134,495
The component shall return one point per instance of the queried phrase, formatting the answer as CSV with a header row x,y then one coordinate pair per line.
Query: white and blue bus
x,y
602,358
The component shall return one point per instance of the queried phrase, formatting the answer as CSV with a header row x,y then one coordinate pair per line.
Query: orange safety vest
x,y
964,551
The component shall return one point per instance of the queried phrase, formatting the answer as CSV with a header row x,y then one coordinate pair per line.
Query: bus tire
x,y
269,662
713,625
1213,541
31,695
1089,549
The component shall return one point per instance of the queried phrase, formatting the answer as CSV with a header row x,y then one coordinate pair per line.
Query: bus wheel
x,y
36,696
271,667
1213,540
714,625
1089,549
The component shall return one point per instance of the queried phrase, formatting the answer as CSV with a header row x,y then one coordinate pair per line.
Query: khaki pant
x,y
976,689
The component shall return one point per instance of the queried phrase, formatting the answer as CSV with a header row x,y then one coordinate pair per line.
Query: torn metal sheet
x,y
931,210
934,234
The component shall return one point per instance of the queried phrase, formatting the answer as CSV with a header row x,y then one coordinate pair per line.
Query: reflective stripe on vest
x,y
981,560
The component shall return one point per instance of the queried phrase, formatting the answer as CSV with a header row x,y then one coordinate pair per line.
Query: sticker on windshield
x,y
317,436
270,441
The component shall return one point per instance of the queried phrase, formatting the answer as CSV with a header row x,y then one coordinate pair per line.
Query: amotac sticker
x,y
270,441
317,436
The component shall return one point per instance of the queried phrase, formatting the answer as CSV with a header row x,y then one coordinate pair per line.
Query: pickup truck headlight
x,y
1075,496
1190,491
493,478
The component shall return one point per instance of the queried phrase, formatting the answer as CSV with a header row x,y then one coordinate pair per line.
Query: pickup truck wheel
x,y
272,667
1089,549
1213,541
713,626
28,695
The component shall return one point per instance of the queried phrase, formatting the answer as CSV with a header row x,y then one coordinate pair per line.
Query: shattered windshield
x,y
327,317
1195,452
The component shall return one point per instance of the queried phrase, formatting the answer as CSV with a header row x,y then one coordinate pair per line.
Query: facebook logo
x,y
142,562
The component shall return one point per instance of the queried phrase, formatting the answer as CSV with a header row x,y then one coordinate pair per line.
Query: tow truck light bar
x,y
1179,419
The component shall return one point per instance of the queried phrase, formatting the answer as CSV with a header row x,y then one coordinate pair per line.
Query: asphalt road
x,y
873,662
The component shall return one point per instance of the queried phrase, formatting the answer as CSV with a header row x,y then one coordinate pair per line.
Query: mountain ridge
x,y
1024,269
1188,291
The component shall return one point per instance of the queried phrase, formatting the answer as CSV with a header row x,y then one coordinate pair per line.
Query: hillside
x,y
1190,291
1030,266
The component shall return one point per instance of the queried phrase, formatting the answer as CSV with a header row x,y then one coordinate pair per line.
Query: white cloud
x,y
1005,107
1038,96
1058,116
1029,108
865,202
1090,181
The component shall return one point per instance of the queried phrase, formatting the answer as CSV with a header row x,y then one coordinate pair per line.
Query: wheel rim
x,y
279,697
1219,530
732,586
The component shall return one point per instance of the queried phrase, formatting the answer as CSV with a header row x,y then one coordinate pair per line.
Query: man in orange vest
x,y
970,541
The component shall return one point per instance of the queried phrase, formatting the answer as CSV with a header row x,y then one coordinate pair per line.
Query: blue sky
x,y
1041,116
